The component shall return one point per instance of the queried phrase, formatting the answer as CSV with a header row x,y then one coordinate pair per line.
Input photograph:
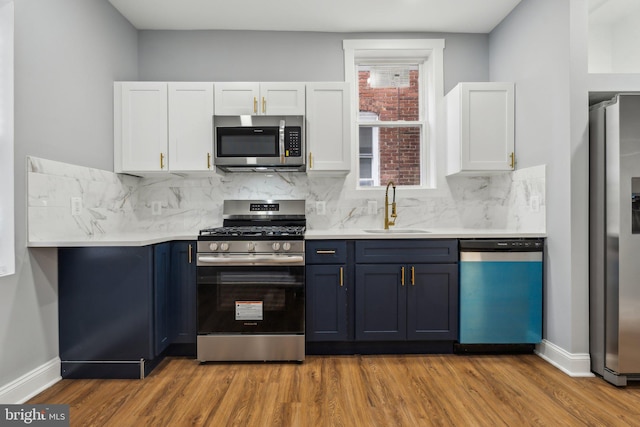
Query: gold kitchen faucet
x,y
388,222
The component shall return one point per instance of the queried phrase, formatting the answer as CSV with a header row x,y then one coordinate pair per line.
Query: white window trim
x,y
375,138
7,227
394,50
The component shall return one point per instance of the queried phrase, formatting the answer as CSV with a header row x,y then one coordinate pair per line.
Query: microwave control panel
x,y
293,141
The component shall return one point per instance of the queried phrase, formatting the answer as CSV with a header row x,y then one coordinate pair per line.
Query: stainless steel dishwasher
x,y
500,294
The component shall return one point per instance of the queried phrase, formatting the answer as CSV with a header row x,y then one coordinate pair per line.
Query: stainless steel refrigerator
x,y
614,239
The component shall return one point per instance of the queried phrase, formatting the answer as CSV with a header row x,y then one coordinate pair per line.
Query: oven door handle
x,y
204,260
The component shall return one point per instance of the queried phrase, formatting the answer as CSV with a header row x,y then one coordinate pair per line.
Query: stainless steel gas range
x,y
250,283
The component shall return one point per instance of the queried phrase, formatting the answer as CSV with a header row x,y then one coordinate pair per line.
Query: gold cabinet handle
x,y
310,160
413,276
208,160
326,251
190,251
161,160
264,105
255,105
402,274
341,276
513,160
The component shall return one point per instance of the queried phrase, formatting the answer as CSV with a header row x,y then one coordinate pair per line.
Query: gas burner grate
x,y
252,231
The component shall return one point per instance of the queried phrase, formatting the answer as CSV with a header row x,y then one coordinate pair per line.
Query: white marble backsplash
x,y
115,203
108,200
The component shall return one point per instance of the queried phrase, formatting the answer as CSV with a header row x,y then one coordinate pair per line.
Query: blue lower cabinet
x,y
397,302
326,307
183,282
328,285
117,310
395,296
164,312
381,301
432,302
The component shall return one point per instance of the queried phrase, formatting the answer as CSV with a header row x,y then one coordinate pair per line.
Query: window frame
x,y
374,148
428,53
7,214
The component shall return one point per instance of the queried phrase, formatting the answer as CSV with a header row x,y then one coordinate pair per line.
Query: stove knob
x,y
224,246
286,246
213,246
275,246
251,246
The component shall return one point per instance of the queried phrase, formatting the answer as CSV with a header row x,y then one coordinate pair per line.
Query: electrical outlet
x,y
156,207
321,208
534,203
76,206
372,207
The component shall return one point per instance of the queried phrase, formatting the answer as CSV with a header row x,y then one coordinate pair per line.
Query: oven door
x,y
257,299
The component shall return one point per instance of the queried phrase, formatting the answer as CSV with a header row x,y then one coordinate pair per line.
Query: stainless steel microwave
x,y
260,146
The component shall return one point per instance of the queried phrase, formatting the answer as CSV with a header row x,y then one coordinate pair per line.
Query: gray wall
x,y
533,47
67,55
285,56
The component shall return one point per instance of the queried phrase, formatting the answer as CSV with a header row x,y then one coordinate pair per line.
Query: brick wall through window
x,y
399,147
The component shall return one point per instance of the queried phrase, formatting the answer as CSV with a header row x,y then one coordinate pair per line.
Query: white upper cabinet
x,y
140,127
328,127
190,127
480,127
274,99
233,99
163,127
282,99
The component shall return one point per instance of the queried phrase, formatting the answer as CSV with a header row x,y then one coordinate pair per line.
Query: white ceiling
x,y
463,16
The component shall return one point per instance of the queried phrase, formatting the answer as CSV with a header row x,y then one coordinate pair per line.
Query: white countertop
x,y
150,238
416,233
114,239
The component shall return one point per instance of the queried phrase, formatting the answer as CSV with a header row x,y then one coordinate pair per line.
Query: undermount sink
x,y
396,231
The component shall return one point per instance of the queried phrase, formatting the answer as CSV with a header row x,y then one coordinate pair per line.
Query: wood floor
x,y
424,390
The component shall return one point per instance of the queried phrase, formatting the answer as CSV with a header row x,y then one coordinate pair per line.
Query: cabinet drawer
x,y
326,252
406,251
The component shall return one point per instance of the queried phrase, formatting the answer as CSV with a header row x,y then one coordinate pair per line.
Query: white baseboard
x,y
31,383
574,365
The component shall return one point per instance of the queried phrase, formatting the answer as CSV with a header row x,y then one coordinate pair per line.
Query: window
x,y
7,247
396,85
368,144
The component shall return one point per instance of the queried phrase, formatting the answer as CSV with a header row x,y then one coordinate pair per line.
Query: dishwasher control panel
x,y
529,244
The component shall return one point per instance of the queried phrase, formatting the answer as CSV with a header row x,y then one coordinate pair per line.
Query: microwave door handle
x,y
282,123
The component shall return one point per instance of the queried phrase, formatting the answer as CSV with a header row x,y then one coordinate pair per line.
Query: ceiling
x,y
459,16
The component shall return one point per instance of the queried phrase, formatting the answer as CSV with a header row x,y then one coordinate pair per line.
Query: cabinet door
x,y
190,126
282,99
328,126
163,321
236,98
326,307
141,127
432,302
105,298
480,127
380,303
183,284
488,126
